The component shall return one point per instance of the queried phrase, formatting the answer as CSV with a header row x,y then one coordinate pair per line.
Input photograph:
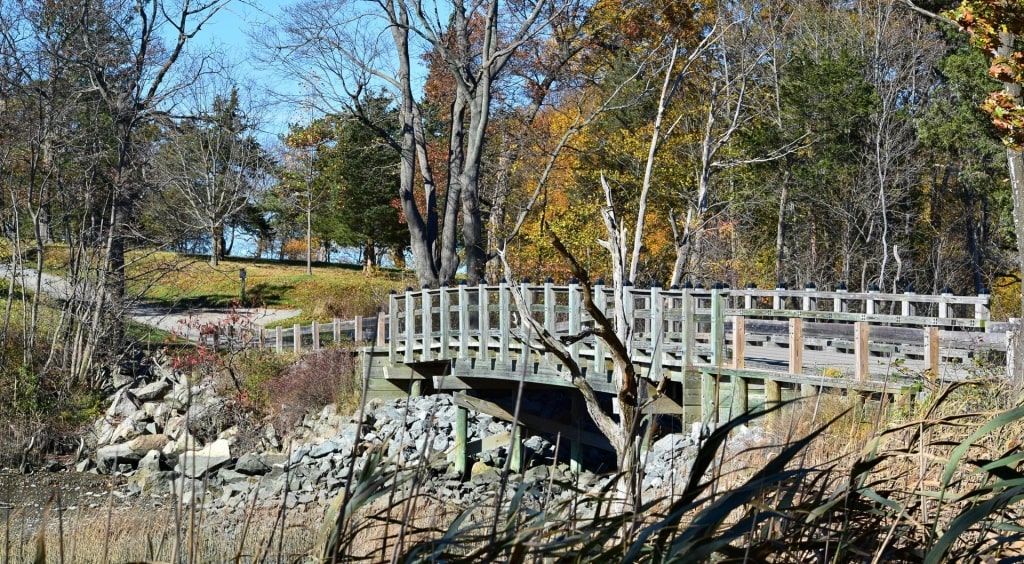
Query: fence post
x,y
336,330
297,338
279,340
315,329
549,311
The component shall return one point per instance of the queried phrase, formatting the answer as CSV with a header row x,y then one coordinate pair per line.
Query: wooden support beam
x,y
336,330
279,340
461,438
739,341
932,356
315,330
297,338
740,395
709,398
515,450
861,350
796,345
382,328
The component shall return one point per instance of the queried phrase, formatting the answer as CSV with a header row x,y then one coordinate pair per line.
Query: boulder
x,y
197,463
153,391
252,465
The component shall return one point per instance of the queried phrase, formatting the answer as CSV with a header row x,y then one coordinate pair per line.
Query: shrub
x,y
315,380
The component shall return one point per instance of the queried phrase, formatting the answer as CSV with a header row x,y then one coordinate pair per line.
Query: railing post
x,y
739,341
839,303
777,302
944,305
297,338
464,331
279,340
410,324
427,315
601,302
981,311
861,350
336,330
575,310
504,322
869,303
549,312
393,326
628,307
315,330
524,356
717,328
907,309
444,308
810,302
485,321
689,327
382,334
657,309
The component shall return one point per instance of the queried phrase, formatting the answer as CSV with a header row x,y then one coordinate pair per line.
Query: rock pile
x,y
171,436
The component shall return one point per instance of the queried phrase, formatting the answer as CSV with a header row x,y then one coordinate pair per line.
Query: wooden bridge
x,y
718,350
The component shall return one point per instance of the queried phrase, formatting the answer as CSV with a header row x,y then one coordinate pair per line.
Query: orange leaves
x,y
995,27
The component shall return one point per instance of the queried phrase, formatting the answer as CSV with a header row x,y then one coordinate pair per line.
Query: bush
x,y
314,381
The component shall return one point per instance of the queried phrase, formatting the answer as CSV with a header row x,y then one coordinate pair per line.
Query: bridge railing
x,y
682,326
674,330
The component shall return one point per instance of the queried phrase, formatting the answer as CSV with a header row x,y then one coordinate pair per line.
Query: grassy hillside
x,y
189,281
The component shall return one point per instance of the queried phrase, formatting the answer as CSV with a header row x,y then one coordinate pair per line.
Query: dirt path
x,y
181,321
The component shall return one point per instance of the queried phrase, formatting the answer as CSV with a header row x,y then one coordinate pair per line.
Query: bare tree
x,y
212,165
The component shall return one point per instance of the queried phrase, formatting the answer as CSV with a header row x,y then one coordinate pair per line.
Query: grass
x,y
941,483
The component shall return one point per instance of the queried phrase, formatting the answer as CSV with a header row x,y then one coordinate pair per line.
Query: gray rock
x,y
196,464
327,447
152,461
123,404
153,391
252,465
